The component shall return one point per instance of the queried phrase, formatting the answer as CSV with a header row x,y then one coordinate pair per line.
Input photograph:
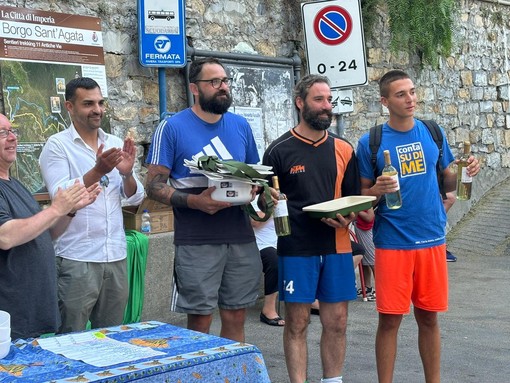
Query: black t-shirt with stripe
x,y
309,173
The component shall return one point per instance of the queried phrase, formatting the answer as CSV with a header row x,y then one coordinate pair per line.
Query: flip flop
x,y
272,322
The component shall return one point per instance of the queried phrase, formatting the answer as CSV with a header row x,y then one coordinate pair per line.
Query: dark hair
x,y
80,82
304,84
195,68
388,78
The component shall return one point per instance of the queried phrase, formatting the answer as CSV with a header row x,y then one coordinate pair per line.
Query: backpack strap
x,y
374,141
435,131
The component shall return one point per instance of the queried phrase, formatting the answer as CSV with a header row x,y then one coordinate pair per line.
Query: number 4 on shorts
x,y
290,287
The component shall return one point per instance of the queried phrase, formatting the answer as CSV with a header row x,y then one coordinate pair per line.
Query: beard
x,y
215,104
313,118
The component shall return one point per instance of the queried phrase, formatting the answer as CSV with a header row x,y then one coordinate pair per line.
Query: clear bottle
x,y
146,222
464,181
393,200
281,213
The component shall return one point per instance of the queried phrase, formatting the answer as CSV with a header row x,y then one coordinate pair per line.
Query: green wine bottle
x,y
281,213
393,200
464,181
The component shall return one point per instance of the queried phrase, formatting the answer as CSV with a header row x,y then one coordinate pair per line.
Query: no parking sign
x,y
335,45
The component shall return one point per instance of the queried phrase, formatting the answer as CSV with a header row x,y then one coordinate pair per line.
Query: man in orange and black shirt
x,y
315,261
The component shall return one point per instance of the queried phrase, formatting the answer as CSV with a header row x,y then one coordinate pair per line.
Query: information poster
x,y
39,53
263,95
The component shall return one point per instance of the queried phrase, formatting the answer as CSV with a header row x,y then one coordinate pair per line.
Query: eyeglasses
x,y
5,132
216,82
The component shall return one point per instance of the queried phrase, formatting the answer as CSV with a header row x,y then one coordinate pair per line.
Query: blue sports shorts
x,y
328,278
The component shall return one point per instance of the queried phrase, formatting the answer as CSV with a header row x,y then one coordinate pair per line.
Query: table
x,y
189,356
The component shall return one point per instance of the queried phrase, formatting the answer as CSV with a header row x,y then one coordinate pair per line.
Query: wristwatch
x,y
124,176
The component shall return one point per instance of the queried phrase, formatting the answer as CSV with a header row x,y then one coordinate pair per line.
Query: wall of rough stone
x,y
468,94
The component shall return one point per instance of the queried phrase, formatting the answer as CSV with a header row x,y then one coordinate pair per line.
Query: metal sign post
x,y
334,41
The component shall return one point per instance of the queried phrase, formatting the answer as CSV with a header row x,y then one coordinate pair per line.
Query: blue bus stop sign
x,y
162,33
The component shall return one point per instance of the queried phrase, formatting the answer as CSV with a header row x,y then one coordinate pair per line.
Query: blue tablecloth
x,y
190,356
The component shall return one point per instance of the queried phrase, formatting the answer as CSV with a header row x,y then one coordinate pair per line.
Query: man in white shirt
x,y
91,254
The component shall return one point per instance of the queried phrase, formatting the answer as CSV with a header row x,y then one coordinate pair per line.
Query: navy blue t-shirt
x,y
28,279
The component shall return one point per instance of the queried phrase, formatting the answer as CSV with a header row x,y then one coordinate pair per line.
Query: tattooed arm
x,y
156,184
158,189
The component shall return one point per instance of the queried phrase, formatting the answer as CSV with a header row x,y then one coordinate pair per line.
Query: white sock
x,y
337,379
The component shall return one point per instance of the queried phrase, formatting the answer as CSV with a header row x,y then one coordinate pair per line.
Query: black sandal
x,y
272,322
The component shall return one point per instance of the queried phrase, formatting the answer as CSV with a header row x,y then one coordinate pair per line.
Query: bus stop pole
x,y
162,93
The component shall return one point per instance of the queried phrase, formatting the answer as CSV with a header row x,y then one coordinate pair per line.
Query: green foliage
x,y
424,27
369,15
497,18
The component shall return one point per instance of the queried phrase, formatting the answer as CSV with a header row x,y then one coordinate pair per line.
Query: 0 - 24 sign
x,y
342,67
334,41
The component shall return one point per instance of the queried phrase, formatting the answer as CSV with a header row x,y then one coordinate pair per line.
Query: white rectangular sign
x,y
343,101
334,41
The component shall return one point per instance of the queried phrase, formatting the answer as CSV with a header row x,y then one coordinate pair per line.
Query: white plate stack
x,y
5,333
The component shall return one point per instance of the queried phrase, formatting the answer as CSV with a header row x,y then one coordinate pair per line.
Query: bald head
x,y
4,122
8,146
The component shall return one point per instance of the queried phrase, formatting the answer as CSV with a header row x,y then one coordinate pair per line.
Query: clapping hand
x,y
128,156
66,199
75,197
108,160
88,197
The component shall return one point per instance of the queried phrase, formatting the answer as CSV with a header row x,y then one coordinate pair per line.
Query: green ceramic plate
x,y
343,206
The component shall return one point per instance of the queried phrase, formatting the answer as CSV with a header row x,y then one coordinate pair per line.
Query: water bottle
x,y
146,222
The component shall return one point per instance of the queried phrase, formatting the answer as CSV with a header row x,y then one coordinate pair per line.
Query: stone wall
x,y
468,94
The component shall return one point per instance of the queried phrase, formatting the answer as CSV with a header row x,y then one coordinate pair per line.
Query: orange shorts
x,y
419,276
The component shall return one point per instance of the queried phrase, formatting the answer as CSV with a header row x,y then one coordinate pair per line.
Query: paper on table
x,y
96,349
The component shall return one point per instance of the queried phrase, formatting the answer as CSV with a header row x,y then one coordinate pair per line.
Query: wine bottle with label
x,y
464,181
393,200
281,213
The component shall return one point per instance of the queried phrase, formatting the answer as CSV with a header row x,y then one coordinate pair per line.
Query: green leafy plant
x,y
369,15
424,27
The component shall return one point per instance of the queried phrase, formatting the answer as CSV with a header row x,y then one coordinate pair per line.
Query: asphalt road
x,y
475,332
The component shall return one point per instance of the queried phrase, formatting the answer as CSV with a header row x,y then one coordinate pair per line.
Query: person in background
x,y
363,230
91,254
217,262
266,238
315,261
410,258
448,203
28,283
